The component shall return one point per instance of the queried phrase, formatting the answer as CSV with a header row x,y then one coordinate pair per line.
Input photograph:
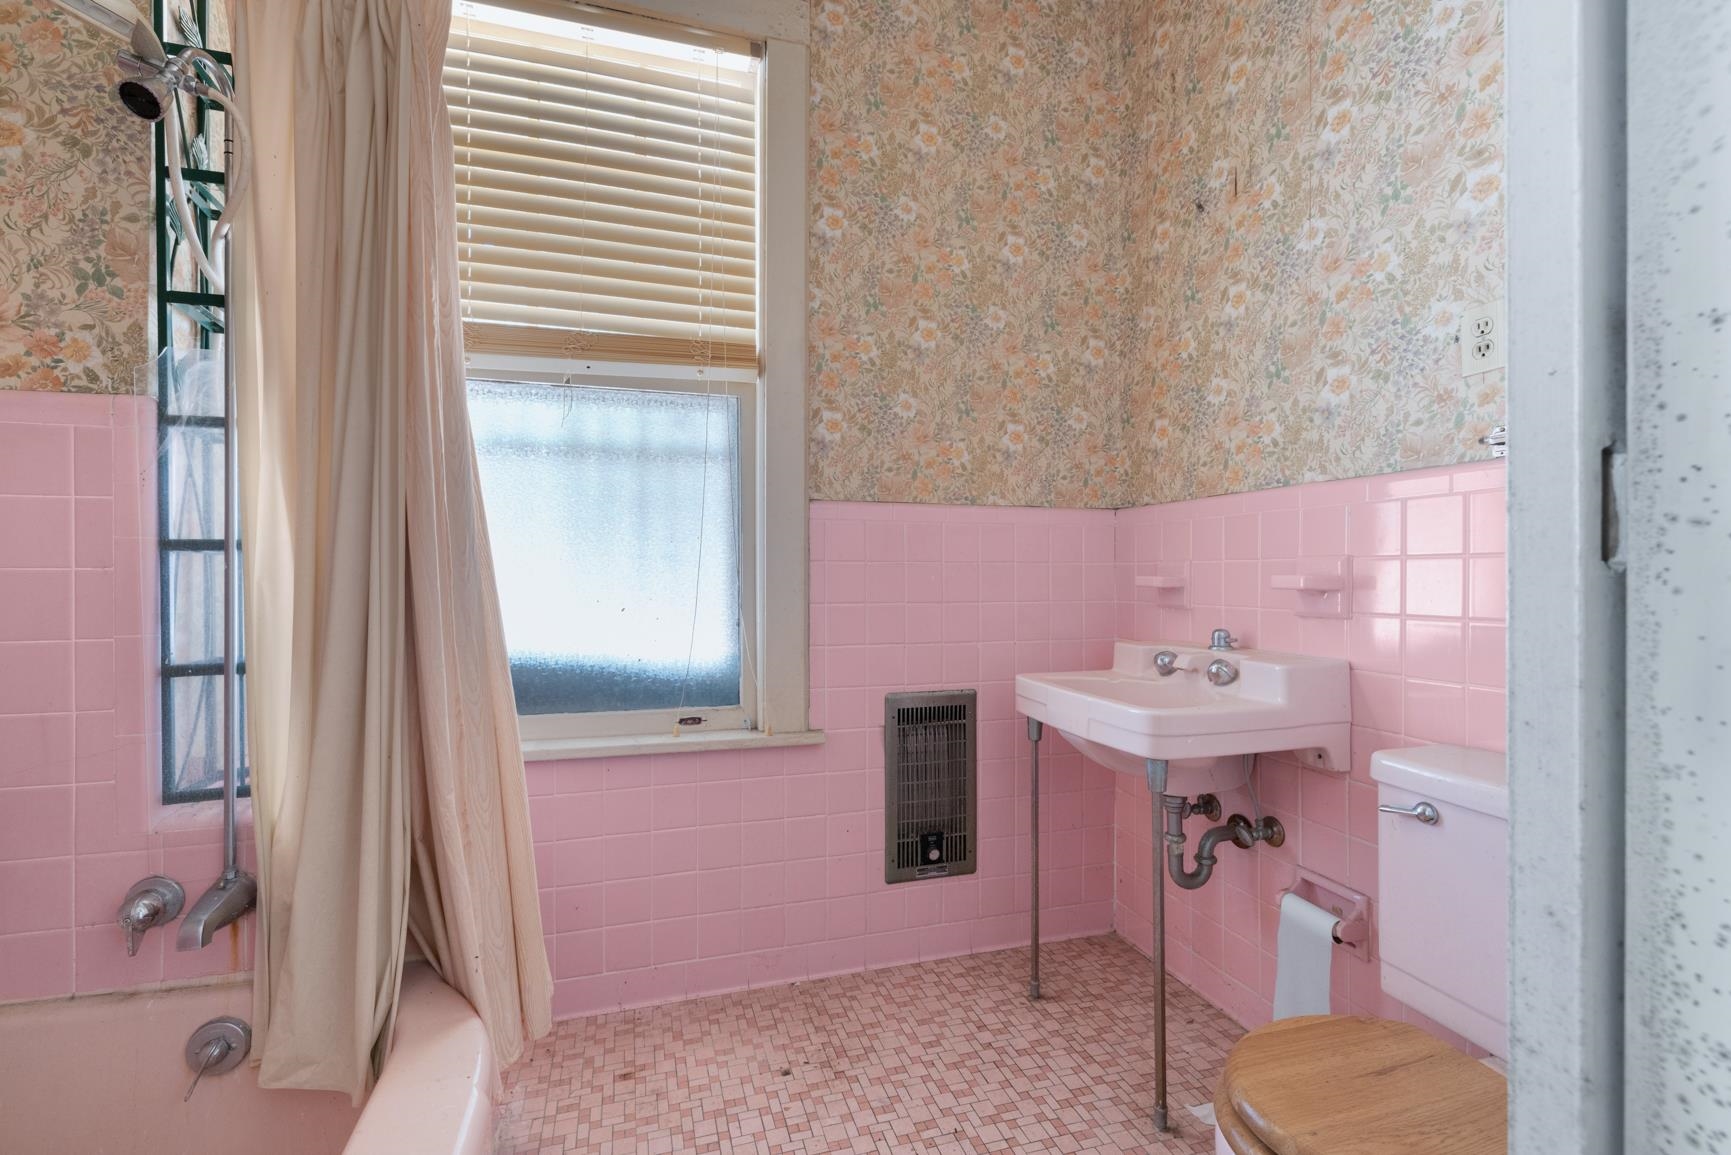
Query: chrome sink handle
x,y
1423,811
1222,639
1166,663
1221,672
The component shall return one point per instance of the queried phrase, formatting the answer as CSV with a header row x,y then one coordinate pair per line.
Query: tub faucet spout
x,y
227,899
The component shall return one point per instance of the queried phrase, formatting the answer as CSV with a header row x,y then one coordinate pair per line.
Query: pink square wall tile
x,y
1322,532
35,605
1242,537
35,532
1434,587
36,895
1436,525
35,822
1374,529
39,749
1436,650
36,460
36,677
1280,534
35,965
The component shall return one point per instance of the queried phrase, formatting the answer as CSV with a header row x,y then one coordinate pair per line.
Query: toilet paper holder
x,y
1349,907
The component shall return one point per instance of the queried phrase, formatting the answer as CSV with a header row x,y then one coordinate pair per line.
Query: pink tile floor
x,y
947,1057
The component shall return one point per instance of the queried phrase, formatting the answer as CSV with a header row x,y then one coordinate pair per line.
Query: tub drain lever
x,y
216,1047
214,1052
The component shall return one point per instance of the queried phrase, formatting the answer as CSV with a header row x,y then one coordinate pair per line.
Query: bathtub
x,y
105,1075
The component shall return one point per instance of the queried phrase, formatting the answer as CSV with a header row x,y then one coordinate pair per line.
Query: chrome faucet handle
x,y
1221,672
151,902
1166,663
1222,639
138,918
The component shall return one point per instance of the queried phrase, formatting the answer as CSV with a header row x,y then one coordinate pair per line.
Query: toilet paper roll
x,y
1304,951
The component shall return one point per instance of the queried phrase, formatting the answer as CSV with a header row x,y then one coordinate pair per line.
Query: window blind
x,y
606,184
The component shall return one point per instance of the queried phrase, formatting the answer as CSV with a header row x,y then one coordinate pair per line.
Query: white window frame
x,y
774,530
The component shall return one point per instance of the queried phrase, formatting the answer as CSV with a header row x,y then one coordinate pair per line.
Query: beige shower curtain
x,y
388,792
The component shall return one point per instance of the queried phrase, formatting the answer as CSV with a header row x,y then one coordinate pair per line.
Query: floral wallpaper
x,y
970,329
74,209
1319,191
1064,252
1073,253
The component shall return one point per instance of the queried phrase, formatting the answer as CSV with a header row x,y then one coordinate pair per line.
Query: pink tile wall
x,y
672,876
667,877
78,721
1425,641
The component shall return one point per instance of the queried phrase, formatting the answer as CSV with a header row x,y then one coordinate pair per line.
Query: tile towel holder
x,y
1167,584
1321,587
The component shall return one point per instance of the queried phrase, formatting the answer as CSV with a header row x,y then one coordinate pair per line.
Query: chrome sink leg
x,y
1157,790
1035,730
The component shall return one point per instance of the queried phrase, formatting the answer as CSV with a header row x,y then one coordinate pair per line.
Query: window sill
x,y
196,817
554,749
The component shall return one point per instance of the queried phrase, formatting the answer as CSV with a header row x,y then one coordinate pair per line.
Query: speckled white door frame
x,y
1566,671
1677,536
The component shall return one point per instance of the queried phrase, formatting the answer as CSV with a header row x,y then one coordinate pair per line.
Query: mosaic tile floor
x,y
947,1057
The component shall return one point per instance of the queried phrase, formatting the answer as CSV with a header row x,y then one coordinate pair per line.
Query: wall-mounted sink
x,y
1126,715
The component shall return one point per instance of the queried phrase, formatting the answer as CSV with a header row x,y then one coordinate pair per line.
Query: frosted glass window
x,y
613,515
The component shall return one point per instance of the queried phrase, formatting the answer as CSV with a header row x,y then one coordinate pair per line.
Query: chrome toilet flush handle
x,y
1423,811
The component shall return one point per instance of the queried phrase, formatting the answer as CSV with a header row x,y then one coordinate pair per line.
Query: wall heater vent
x,y
931,797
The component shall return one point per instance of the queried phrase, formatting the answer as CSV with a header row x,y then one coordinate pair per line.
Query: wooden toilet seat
x,y
1350,1085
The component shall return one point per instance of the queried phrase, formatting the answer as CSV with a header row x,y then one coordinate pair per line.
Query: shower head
x,y
153,83
148,89
152,78
147,97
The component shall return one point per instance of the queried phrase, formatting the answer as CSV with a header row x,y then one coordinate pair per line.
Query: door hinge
x,y
1613,482
1498,440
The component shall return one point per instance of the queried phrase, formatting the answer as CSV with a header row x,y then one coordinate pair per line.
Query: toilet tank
x,y
1443,887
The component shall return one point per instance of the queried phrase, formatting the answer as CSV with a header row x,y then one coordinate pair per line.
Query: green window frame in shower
x,y
186,318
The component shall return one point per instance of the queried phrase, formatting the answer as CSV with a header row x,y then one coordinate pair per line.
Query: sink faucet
x,y
227,899
1222,639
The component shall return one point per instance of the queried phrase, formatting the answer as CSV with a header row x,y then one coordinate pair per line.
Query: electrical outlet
x,y
1484,338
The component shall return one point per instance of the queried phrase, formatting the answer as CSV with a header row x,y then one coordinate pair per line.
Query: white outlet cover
x,y
1484,338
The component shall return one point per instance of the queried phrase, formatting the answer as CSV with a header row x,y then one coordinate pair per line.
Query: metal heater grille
x,y
930,796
